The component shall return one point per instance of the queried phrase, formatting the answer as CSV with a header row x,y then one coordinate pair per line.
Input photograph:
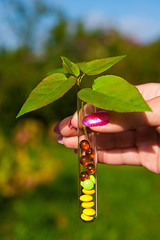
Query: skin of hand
x,y
129,138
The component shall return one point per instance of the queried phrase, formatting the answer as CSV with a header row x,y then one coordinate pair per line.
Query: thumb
x,y
125,121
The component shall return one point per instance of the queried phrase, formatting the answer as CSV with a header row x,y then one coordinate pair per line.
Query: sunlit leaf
x,y
62,70
80,64
48,90
114,93
57,70
70,67
100,65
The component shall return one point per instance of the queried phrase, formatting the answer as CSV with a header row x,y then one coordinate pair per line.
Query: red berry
x,y
83,176
90,168
90,153
84,144
84,160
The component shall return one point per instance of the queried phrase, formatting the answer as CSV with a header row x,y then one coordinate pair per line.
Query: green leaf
x,y
57,70
48,90
70,67
100,65
81,64
114,93
62,70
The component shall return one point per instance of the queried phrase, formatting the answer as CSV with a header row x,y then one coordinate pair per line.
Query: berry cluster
x,y
87,180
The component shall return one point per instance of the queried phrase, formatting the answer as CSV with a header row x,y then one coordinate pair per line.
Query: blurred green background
x,y
38,177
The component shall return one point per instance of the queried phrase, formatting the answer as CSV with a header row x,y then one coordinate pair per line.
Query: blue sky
x,y
139,19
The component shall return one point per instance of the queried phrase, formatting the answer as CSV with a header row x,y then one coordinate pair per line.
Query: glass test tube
x,y
87,161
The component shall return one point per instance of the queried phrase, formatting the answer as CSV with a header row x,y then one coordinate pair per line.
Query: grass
x,y
128,206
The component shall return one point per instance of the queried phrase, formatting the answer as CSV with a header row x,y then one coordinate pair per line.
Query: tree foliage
x,y
22,69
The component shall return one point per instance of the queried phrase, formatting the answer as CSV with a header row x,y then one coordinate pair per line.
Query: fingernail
x,y
96,119
75,151
56,129
69,124
60,139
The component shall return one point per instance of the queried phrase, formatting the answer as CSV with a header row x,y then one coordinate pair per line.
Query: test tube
x,y
87,165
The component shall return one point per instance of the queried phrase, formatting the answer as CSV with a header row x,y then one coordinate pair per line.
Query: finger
x,y
127,156
125,121
76,120
71,142
149,90
148,146
106,141
66,129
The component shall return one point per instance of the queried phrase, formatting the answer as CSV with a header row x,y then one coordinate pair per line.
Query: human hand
x,y
129,138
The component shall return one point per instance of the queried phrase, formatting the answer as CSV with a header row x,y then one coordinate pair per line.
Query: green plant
x,y
108,92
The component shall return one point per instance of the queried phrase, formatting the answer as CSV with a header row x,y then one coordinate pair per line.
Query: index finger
x,y
125,121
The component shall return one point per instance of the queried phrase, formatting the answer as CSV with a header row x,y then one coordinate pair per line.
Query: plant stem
x,y
81,77
84,127
82,105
